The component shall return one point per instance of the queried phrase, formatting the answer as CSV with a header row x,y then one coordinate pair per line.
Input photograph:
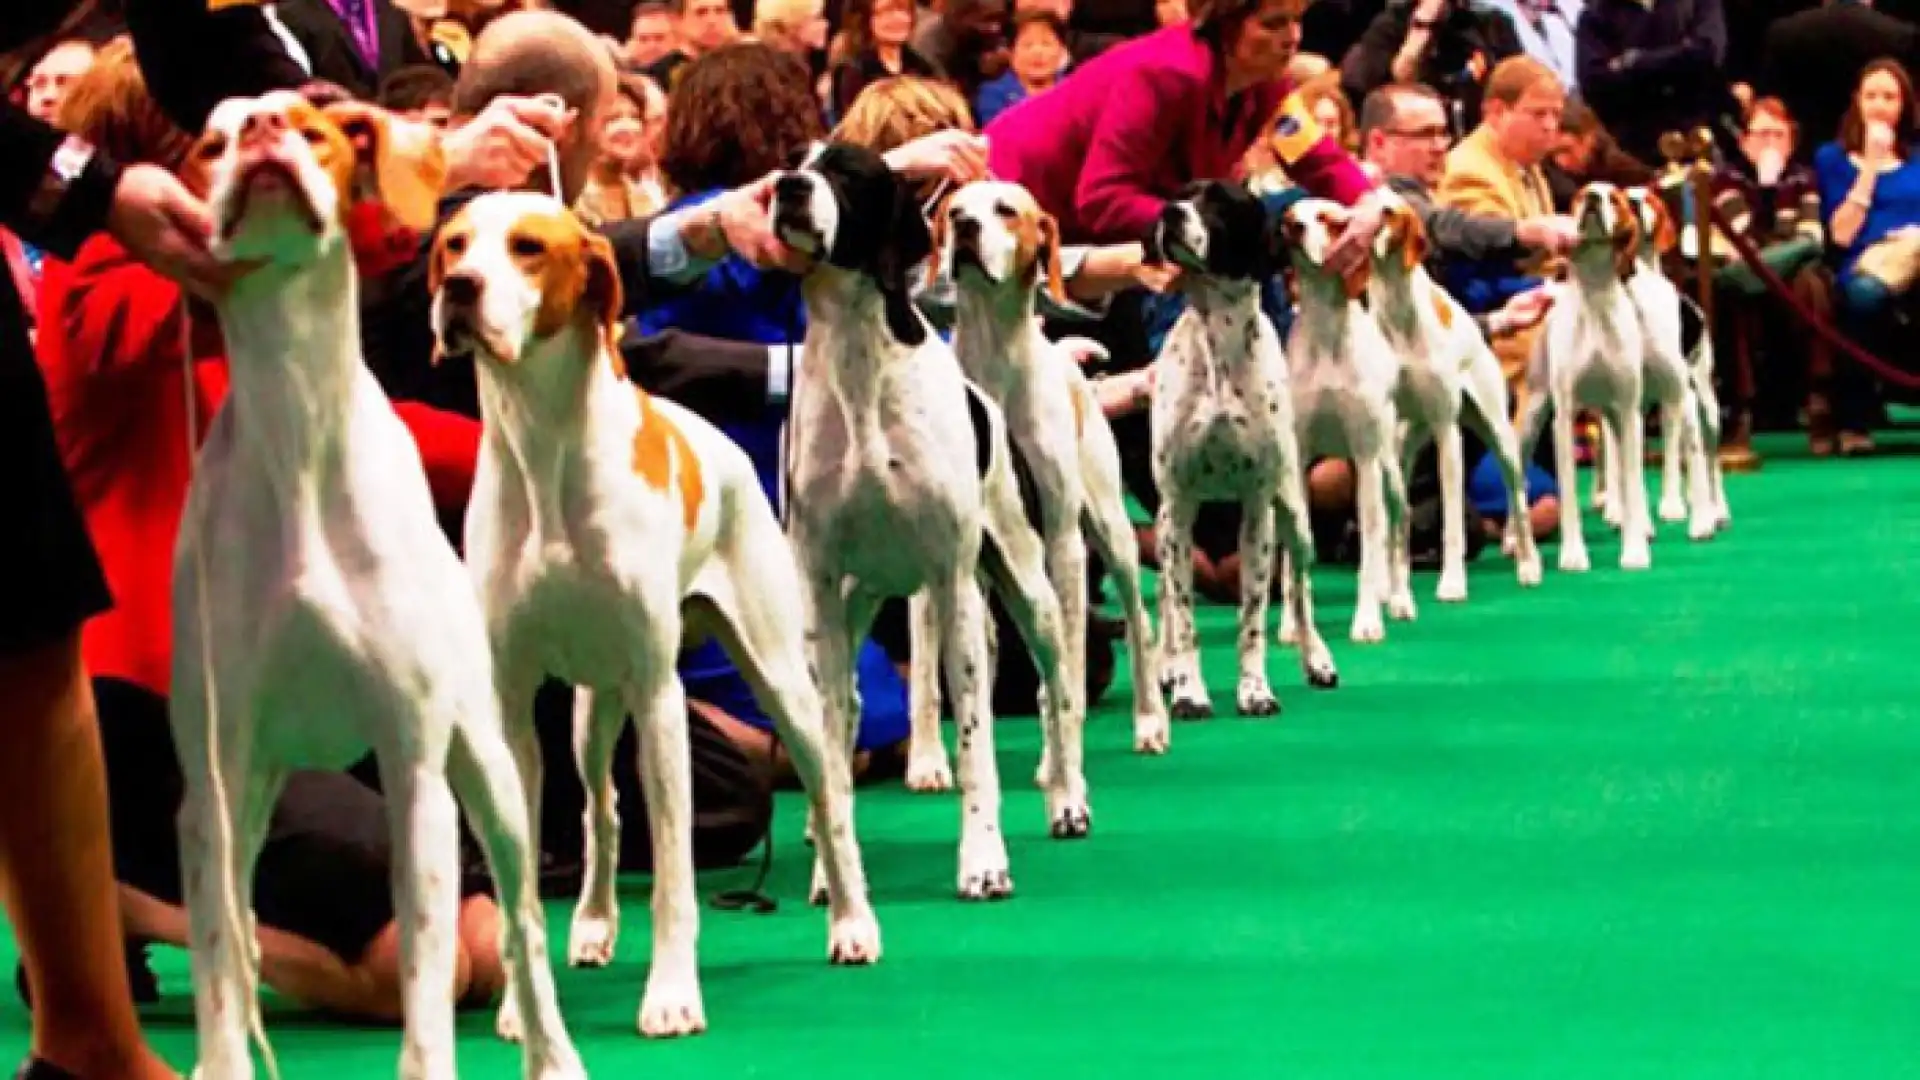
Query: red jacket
x,y
110,347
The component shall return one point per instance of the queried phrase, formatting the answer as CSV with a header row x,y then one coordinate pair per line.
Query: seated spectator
x,y
699,27
1585,153
1776,205
625,179
1870,196
1450,45
875,47
1039,60
422,92
1495,172
111,352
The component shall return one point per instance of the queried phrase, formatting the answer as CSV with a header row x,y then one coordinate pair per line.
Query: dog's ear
x,y
603,296
908,243
1626,234
437,273
1664,236
397,163
1413,237
939,240
1047,254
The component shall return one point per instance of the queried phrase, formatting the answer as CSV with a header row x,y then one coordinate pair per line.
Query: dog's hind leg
x,y
1485,412
1111,532
426,895
1453,513
927,767
762,634
488,784
1371,507
1254,695
1677,446
1637,524
1703,495
957,602
598,720
1179,652
1296,548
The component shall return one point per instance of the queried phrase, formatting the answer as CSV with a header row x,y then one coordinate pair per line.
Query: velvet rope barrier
x,y
1821,327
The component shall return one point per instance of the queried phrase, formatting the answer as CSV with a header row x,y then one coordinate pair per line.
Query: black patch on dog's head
x,y
881,232
1243,241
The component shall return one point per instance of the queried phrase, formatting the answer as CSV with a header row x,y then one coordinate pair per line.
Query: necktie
x,y
358,15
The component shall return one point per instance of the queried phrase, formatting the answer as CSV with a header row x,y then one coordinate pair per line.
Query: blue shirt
x,y
1896,198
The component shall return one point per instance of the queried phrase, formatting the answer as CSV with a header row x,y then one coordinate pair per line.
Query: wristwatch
x,y
69,160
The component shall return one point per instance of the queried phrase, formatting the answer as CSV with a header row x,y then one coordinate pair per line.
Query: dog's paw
x,y
1573,560
1255,698
507,1023
1636,556
1452,588
1069,819
558,1064
987,885
1528,570
1367,628
929,773
1673,509
983,867
1151,734
591,939
1703,527
1321,674
1191,708
1401,608
854,940
671,1008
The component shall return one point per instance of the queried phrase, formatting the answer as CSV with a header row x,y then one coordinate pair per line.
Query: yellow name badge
x,y
222,5
1295,131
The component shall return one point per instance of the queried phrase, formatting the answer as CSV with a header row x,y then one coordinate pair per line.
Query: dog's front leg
x,y
516,684
832,633
1399,558
598,719
1254,695
1703,497
984,873
1371,504
1180,653
426,903
671,1005
1014,564
1573,540
1677,447
1637,527
927,768
1066,570
1453,511
1296,596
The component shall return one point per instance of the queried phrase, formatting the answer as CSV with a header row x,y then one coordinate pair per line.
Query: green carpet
x,y
1649,825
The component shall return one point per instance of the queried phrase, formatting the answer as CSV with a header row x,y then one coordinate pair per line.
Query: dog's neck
x,y
1391,289
293,357
1325,319
551,402
1212,296
1592,269
850,350
993,332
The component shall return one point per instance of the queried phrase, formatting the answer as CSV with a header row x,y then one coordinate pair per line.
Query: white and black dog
x,y
1223,430
900,480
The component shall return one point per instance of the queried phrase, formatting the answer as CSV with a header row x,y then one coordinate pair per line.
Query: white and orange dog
x,y
999,249
1223,429
1345,383
318,608
1592,354
901,479
1448,375
608,527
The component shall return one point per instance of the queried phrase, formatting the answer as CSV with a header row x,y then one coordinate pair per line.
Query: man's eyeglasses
x,y
1425,134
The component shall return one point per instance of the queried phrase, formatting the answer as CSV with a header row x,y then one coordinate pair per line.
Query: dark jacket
x,y
1455,234
335,56
1812,62
1464,33
1650,71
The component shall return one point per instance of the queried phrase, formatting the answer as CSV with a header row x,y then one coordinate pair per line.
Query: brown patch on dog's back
x,y
658,447
1442,309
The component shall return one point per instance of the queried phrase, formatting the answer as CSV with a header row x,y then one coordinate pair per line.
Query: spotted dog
x,y
1448,376
1592,354
608,526
1000,249
1223,430
894,487
1345,377
318,608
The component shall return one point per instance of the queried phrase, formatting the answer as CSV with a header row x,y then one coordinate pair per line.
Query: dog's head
x,y
992,234
1606,219
286,179
1312,226
1218,230
513,270
1655,220
846,208
1400,246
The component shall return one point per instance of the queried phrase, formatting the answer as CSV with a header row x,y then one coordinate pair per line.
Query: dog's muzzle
x,y
459,322
966,245
793,214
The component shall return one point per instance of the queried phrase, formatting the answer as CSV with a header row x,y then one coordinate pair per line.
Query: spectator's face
x,y
1529,129
1170,11
1573,152
1879,99
1267,41
1326,113
892,22
1414,143
1767,136
49,80
1038,54
707,25
651,39
623,136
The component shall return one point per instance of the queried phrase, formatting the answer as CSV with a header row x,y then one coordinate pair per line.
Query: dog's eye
x,y
528,247
456,245
212,148
311,134
1005,212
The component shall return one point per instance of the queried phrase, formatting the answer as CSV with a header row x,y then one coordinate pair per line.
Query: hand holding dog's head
x,y
513,270
845,207
1219,230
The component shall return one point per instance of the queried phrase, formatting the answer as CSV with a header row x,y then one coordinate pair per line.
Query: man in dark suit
x,y
354,43
1812,61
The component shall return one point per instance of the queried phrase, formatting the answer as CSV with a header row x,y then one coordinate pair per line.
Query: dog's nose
x,y
966,230
461,289
791,189
261,128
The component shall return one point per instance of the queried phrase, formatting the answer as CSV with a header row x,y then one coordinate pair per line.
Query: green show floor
x,y
1625,825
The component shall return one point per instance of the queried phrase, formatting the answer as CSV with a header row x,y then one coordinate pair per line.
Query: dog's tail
x,y
1092,351
225,843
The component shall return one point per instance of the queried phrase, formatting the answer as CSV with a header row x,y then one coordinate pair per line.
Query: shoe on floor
x,y
35,1069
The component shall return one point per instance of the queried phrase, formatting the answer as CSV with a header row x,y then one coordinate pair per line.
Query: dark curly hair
x,y
736,114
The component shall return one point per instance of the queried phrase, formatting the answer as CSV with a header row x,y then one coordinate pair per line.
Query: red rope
x,y
1812,319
